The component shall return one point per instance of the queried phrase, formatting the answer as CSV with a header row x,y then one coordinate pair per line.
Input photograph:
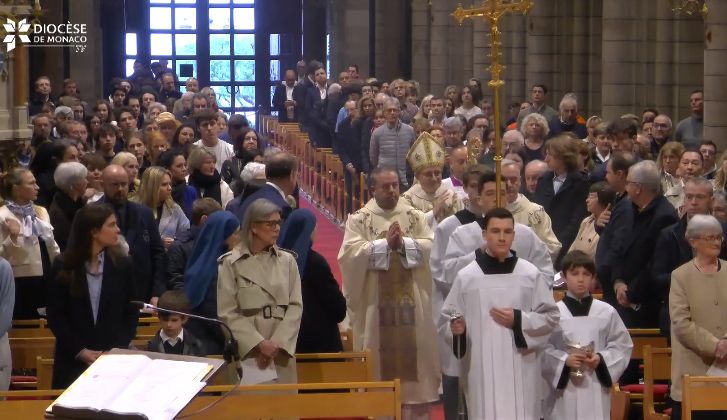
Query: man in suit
x,y
300,91
141,232
281,171
283,97
637,300
316,102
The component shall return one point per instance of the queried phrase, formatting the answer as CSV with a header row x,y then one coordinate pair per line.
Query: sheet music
x,y
253,375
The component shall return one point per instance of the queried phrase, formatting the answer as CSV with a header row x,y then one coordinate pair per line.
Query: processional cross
x,y
492,11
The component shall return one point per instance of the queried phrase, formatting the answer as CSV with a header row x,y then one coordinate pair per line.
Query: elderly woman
x,y
668,162
155,192
131,165
535,129
696,305
562,191
259,293
26,241
204,177
71,182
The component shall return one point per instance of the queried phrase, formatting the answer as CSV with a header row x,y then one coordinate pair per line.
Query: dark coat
x,y
316,121
192,346
612,239
347,143
62,210
566,208
323,308
268,192
71,319
670,252
141,232
634,263
279,98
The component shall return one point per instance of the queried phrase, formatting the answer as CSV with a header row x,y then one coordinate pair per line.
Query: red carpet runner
x,y
328,238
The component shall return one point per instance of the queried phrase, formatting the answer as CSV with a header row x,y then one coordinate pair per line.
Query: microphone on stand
x,y
230,352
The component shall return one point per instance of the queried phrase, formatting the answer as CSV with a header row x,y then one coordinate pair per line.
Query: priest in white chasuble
x,y
587,352
501,313
440,287
428,195
388,286
466,239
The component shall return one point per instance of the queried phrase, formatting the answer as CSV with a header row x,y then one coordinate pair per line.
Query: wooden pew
x,y
365,399
657,367
703,393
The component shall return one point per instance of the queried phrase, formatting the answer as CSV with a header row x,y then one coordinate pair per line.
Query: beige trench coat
x,y
259,297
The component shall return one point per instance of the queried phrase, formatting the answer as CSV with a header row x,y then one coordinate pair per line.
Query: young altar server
x,y
501,313
580,380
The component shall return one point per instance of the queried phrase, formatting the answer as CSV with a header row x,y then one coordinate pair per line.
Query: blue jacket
x,y
141,232
269,192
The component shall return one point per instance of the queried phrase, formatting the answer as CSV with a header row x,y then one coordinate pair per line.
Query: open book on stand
x,y
135,385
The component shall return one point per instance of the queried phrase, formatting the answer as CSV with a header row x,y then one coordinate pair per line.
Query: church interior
x,y
414,209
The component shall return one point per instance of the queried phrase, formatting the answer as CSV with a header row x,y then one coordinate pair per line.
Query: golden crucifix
x,y
492,11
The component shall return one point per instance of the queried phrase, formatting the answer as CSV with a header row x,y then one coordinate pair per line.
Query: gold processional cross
x,y
492,11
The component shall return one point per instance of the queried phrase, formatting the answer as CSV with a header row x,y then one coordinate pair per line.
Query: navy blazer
x,y
71,319
268,192
141,232
566,208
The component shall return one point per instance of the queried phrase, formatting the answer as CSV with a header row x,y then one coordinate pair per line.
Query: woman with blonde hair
x,y
155,192
535,130
259,293
131,165
204,177
721,175
668,163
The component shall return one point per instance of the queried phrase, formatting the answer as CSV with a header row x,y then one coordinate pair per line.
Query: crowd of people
x,y
156,195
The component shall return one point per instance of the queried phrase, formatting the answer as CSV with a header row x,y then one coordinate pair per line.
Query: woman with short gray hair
x,y
259,293
71,181
697,300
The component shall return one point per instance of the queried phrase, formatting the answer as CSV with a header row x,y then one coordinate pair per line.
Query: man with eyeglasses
x,y
672,248
636,300
689,130
660,133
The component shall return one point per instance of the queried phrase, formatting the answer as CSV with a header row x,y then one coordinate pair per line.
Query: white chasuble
x,y
500,366
587,397
388,294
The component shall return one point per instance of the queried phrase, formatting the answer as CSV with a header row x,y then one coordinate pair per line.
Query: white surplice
x,y
468,238
440,287
501,380
585,398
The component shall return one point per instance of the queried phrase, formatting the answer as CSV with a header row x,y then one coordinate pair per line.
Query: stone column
x,y
715,79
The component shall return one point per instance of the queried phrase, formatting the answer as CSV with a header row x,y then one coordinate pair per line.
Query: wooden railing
x,y
321,172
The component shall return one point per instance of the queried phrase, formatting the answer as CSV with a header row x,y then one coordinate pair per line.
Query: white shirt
x,y
221,150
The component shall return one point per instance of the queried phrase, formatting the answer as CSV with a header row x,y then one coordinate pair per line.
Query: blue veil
x,y
295,235
201,268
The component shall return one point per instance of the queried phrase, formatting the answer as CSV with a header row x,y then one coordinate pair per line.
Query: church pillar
x,y
715,80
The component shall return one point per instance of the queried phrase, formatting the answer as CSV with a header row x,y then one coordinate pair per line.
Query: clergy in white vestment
x,y
440,288
580,381
458,165
388,287
501,313
526,212
428,194
467,238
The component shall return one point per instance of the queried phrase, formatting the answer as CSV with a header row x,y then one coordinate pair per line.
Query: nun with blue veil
x,y
323,303
218,235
